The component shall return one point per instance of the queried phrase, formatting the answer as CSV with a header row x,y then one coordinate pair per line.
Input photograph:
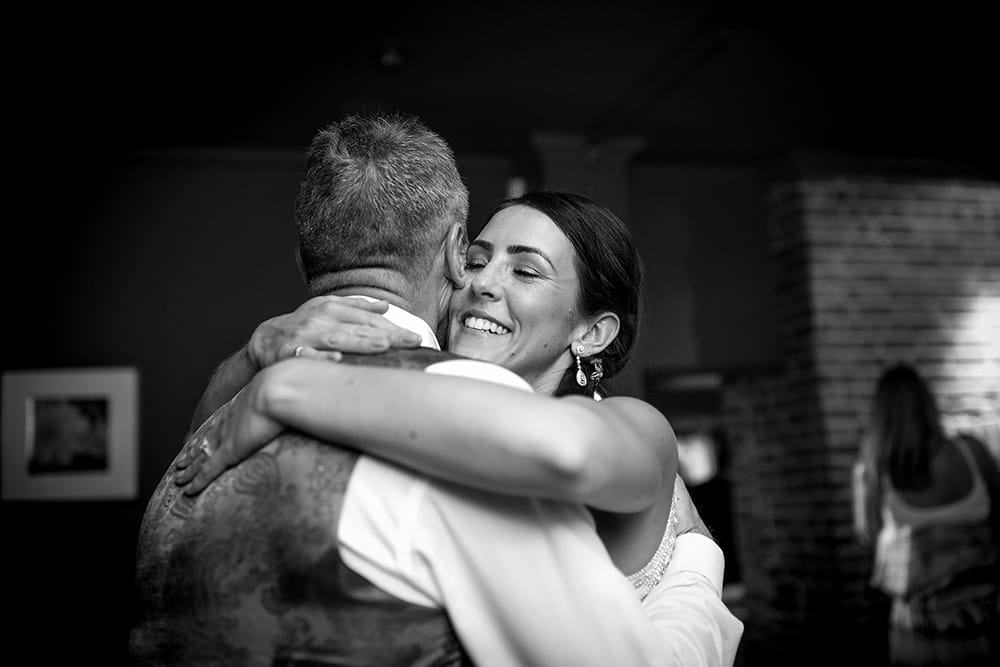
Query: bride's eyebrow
x,y
513,250
518,249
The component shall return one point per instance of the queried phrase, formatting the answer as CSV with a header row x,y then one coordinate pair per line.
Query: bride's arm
x,y
609,455
320,328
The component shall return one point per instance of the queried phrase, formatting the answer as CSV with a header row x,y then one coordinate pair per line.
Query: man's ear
x,y
601,332
456,250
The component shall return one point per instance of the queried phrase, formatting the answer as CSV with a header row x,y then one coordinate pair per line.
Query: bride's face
x,y
519,308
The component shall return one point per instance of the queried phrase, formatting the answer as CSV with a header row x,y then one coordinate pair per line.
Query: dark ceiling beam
x,y
624,116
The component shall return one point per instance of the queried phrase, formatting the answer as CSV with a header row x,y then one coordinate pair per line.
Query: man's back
x,y
249,572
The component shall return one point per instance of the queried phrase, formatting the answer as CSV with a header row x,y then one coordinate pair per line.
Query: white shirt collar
x,y
408,320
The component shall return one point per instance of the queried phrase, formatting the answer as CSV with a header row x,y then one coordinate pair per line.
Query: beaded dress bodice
x,y
649,576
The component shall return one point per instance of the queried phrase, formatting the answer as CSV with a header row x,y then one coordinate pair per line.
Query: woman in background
x,y
923,500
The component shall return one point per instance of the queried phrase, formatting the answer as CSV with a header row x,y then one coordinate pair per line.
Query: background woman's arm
x,y
866,493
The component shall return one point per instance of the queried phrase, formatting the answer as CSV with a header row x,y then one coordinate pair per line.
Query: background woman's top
x,y
940,564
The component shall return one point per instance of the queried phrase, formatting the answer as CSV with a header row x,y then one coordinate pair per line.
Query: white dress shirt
x,y
526,581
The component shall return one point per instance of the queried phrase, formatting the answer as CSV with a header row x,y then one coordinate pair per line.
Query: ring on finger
x,y
298,351
203,446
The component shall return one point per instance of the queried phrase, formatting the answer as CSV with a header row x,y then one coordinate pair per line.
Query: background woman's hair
x,y
905,427
608,266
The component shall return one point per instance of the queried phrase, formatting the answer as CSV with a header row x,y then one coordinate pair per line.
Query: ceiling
x,y
699,82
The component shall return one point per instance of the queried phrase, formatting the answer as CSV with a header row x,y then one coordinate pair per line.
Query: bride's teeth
x,y
482,324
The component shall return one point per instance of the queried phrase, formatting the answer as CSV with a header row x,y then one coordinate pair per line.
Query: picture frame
x,y
70,434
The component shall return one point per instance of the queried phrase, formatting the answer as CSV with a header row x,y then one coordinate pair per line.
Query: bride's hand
x,y
325,326
235,432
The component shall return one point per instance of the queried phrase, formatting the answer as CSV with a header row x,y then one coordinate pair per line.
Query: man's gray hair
x,y
379,191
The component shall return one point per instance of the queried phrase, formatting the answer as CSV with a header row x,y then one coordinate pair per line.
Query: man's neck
x,y
379,284
394,298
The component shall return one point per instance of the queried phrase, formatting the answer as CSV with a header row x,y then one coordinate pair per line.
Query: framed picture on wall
x,y
70,434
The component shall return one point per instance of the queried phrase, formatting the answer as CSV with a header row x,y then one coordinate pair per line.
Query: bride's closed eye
x,y
523,272
526,272
475,263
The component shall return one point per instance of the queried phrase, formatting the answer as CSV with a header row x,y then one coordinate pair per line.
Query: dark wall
x,y
709,298
164,264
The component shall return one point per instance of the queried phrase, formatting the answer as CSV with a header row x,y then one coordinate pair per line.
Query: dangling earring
x,y
596,376
581,377
598,370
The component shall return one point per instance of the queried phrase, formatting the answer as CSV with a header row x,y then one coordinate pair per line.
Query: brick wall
x,y
872,269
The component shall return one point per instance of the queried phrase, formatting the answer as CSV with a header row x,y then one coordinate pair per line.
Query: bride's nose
x,y
485,284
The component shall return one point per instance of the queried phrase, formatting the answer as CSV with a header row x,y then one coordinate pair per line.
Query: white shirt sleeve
x,y
686,606
524,582
528,582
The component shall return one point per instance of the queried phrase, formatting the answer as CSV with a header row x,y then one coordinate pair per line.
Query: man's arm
x,y
524,581
529,582
687,602
686,607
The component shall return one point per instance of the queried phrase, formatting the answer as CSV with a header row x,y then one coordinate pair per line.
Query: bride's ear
x,y
601,333
456,250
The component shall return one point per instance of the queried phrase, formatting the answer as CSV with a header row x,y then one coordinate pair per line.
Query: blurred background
x,y
815,193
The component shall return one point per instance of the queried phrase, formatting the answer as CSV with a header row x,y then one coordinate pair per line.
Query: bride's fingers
x,y
361,338
189,453
186,474
184,460
187,465
209,464
405,338
347,315
397,334
208,471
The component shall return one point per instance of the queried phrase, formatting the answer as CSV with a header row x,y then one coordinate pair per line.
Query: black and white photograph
x,y
70,434
67,434
560,334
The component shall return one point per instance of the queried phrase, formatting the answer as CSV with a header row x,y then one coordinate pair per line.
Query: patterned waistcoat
x,y
249,572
